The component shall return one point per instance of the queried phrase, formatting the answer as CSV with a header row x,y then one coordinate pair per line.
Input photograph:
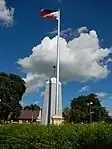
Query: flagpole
x,y
58,61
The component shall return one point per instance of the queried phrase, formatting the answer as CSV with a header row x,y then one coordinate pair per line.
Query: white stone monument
x,y
49,113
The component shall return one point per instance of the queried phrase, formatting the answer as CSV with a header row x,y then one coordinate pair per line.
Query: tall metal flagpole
x,y
58,60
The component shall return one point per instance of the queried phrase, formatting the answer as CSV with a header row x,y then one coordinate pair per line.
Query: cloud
x,y
34,81
83,89
108,60
6,14
22,104
82,29
79,60
59,1
54,32
36,102
101,94
42,94
69,33
110,97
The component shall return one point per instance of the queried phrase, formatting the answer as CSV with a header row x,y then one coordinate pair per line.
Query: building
x,y
28,116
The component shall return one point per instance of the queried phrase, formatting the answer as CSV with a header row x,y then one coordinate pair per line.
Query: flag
x,y
49,13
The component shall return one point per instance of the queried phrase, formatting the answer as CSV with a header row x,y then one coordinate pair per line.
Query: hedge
x,y
78,136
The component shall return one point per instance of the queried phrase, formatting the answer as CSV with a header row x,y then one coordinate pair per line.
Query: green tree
x,y
86,109
17,111
32,107
67,114
12,87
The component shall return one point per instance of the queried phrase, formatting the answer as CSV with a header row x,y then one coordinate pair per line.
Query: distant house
x,y
28,116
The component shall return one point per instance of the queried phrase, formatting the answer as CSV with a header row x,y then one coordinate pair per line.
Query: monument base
x,y
57,120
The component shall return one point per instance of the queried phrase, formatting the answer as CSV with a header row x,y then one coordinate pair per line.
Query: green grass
x,y
78,136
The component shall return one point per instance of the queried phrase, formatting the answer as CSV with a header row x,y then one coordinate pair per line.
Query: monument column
x,y
49,112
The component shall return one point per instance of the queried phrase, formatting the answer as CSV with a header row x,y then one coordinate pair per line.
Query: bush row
x,y
33,136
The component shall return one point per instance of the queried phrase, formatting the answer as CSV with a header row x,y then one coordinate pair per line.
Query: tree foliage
x,y
85,109
16,111
32,107
78,136
12,87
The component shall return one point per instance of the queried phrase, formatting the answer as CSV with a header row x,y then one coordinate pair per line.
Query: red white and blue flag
x,y
49,13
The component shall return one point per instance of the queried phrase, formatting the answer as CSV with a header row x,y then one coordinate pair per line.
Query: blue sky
x,y
24,29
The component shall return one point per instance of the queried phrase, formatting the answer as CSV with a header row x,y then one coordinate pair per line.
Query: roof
x,y
27,115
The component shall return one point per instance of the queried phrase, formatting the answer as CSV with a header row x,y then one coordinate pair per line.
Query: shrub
x,y
33,136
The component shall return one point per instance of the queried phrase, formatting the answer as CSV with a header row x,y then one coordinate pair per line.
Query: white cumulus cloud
x,y
84,88
79,60
6,14
69,33
83,29
101,94
34,81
